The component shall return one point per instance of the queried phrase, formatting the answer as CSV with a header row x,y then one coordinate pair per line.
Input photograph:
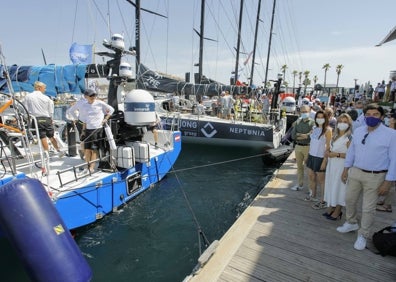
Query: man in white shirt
x,y
227,102
42,108
369,171
94,113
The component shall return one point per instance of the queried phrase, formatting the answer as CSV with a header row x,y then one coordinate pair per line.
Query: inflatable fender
x,y
38,234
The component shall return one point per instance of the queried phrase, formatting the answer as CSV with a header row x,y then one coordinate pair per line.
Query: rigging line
x,y
74,21
167,37
219,163
291,17
199,229
148,36
223,8
102,16
123,22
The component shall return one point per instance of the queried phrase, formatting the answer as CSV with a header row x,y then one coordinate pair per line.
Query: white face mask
x,y
304,115
320,121
342,126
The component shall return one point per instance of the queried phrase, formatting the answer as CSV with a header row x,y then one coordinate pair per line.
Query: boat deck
x,y
280,237
65,173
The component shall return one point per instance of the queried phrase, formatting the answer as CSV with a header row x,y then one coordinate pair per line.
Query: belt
x,y
374,171
301,144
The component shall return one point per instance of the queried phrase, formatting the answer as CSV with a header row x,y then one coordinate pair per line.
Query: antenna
x,y
42,52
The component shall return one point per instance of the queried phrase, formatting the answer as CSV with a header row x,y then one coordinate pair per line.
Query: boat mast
x,y
269,44
137,37
201,41
255,41
238,43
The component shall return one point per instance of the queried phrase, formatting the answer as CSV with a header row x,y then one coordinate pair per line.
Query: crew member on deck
x,y
92,113
42,108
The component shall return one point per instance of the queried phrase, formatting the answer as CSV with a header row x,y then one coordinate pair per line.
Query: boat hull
x,y
103,195
216,131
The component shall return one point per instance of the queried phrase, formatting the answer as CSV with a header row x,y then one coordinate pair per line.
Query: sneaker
x,y
297,188
347,227
309,198
83,172
360,243
319,205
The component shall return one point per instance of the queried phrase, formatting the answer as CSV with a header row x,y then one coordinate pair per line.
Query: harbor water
x,y
159,235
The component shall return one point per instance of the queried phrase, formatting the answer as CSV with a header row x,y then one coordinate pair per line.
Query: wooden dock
x,y
279,237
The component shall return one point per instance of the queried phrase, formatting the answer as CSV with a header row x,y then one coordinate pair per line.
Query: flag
x,y
239,83
81,54
248,58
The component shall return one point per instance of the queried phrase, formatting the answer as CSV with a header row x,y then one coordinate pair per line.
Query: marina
x,y
154,237
196,190
280,237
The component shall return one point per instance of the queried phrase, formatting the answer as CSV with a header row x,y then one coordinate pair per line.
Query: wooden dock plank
x,y
280,237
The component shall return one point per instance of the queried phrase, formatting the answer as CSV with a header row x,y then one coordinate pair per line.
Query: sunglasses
x,y
364,138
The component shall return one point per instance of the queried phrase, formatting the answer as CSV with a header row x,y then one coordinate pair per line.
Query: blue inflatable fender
x,y
36,231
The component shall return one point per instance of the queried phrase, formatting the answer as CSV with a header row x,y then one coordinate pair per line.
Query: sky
x,y
307,34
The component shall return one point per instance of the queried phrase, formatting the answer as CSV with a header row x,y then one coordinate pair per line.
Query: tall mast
x,y
137,36
255,41
269,44
201,40
238,43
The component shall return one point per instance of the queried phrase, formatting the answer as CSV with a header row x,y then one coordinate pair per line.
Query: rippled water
x,y
156,236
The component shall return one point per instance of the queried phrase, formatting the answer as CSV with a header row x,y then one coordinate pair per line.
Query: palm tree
x,y
300,76
307,81
338,71
283,69
326,68
315,79
294,79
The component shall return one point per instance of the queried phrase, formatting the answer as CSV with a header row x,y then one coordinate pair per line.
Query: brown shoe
x,y
384,208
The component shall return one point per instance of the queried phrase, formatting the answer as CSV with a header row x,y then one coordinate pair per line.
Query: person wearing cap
x,y
369,172
41,107
73,114
94,114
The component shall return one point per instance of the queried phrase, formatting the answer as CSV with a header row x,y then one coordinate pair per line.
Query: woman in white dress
x,y
334,187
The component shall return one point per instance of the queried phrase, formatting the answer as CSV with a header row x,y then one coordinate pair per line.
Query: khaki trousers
x,y
365,184
301,153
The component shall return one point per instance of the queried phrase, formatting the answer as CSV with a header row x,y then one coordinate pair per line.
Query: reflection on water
x,y
156,236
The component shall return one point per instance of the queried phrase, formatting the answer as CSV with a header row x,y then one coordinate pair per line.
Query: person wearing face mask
x,y
360,118
369,170
300,134
317,160
384,203
334,187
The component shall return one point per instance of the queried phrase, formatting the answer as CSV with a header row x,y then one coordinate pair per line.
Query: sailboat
x,y
131,161
247,128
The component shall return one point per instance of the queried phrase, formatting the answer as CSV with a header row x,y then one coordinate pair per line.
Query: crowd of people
x,y
349,151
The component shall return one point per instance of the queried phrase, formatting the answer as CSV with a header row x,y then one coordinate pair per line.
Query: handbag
x,y
385,242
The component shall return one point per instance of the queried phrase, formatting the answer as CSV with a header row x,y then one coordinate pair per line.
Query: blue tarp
x,y
59,79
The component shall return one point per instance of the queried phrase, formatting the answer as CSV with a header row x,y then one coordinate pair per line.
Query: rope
x,y
200,233
218,163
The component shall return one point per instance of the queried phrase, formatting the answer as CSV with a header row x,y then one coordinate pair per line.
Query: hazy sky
x,y
307,34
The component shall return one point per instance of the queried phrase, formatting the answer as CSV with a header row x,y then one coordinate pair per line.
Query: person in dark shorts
x,y
42,108
94,113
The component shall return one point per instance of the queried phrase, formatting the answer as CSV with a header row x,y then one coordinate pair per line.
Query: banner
x,y
81,54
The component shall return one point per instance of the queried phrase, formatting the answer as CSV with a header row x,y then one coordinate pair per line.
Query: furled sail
x,y
59,79
159,82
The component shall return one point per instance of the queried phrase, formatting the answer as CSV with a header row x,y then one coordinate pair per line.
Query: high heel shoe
x,y
334,218
326,214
